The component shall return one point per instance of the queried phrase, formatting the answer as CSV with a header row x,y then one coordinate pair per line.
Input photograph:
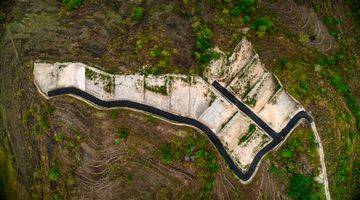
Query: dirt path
x,y
322,161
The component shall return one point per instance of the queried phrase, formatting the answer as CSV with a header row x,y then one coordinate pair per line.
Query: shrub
x,y
262,25
155,53
54,174
252,128
72,4
303,38
137,14
123,134
114,114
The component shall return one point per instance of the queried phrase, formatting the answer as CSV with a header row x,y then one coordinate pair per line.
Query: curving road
x,y
277,137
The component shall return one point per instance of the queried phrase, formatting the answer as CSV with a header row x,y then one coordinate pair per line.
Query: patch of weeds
x,y
212,97
251,130
90,74
54,174
160,89
250,101
72,4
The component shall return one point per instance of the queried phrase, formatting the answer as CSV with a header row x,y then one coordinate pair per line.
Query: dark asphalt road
x,y
277,137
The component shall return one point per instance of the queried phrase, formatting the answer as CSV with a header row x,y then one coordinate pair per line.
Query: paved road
x,y
277,137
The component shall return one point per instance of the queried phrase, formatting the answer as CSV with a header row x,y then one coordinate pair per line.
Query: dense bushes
x,y
302,187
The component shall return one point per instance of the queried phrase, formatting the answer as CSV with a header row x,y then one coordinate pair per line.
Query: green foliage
x,y
72,4
58,137
90,74
303,38
162,89
137,14
351,101
262,25
54,174
169,153
152,119
286,153
205,160
251,130
155,53
57,196
123,133
204,38
114,114
2,17
242,7
302,187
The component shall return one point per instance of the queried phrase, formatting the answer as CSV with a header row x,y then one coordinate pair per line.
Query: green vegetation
x,y
2,17
59,138
90,74
303,187
169,153
137,14
262,25
108,81
54,175
114,114
295,172
160,89
303,38
251,130
151,119
123,133
203,54
204,159
72,4
40,117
